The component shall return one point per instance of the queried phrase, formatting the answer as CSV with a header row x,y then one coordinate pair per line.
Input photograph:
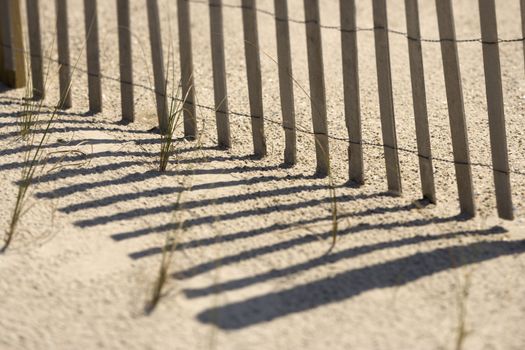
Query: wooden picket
x,y
64,70
219,74
317,87
386,103
456,110
35,48
12,71
253,71
186,68
522,7
92,55
351,90
286,82
157,59
419,101
496,113
126,62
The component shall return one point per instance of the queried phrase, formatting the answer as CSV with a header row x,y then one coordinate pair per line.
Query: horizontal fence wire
x,y
368,29
303,129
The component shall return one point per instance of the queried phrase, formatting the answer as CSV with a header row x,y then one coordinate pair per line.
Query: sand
x,y
253,269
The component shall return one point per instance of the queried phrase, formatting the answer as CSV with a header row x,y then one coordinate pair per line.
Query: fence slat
x,y
284,58
219,74
498,135
456,110
14,60
317,87
186,68
126,62
92,55
158,64
6,58
426,170
35,48
386,103
351,90
64,70
253,71
522,6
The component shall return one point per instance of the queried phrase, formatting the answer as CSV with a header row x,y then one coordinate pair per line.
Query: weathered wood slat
x,y
419,98
351,90
386,103
64,70
496,114
456,110
92,55
126,62
522,6
253,71
219,74
186,68
284,58
6,59
317,85
157,59
35,48
14,71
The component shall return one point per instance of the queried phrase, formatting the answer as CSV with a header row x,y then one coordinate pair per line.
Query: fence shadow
x,y
394,273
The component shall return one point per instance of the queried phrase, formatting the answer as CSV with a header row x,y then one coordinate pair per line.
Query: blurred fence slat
x,y
12,70
92,55
157,59
219,74
386,103
186,68
498,135
522,6
419,99
253,70
64,71
286,82
351,90
125,61
456,110
35,48
317,85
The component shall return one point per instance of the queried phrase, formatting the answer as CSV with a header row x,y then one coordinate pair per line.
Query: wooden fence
x,y
12,73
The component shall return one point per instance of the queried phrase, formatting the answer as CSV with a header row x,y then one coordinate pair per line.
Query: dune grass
x,y
34,157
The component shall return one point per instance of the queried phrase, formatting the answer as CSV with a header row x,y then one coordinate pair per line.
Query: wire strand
x,y
302,129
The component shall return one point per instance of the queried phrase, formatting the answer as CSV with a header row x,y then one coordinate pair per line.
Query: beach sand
x,y
253,267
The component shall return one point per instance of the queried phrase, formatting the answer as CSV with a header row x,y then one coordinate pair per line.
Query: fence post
x,y
285,79
386,103
35,48
351,90
126,62
64,70
419,101
317,87
219,74
92,55
458,127
186,68
253,71
13,71
498,135
158,64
